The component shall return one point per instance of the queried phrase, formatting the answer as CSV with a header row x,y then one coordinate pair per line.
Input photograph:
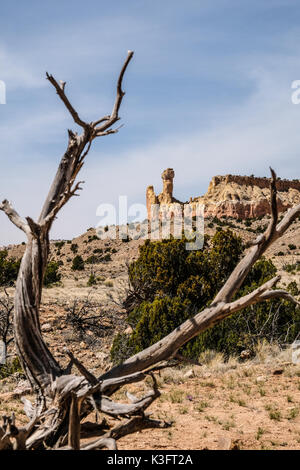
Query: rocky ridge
x,y
240,197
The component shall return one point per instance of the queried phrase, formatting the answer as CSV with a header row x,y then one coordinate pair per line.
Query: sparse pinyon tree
x,y
64,399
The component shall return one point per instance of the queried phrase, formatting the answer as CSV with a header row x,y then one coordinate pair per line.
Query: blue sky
x,y
208,92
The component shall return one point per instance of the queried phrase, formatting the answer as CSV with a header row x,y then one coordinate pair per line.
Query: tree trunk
x,y
37,361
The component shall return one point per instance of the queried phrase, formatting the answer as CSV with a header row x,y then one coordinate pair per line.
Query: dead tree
x,y
64,399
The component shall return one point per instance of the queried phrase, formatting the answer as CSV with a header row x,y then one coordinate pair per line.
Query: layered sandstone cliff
x,y
235,196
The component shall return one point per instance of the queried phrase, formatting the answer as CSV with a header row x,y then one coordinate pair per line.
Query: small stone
x,y
189,374
46,327
245,354
82,344
206,375
102,356
224,443
22,388
128,331
260,379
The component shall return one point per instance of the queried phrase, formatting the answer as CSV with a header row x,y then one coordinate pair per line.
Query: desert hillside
x,y
229,405
110,259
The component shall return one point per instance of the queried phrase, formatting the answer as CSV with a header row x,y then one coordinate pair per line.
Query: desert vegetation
x,y
169,284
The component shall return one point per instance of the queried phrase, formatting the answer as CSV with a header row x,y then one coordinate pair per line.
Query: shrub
x,y
92,238
85,317
97,250
292,246
74,247
170,284
93,259
293,288
260,229
9,268
52,275
77,264
92,280
11,368
291,268
59,245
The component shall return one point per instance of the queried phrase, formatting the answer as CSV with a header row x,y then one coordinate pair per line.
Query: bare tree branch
x,y
114,117
14,217
279,293
60,90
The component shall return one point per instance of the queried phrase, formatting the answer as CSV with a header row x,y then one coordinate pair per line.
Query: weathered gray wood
x,y
2,353
74,423
39,365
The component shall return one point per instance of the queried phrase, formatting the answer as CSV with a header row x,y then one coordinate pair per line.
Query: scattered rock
x,y
206,375
46,327
128,331
22,388
189,374
224,443
17,376
102,357
260,379
59,354
245,354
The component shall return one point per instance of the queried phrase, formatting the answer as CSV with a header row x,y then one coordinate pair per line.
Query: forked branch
x,y
60,90
14,217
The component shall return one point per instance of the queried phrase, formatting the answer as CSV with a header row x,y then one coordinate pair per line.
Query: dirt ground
x,y
249,405
219,405
234,410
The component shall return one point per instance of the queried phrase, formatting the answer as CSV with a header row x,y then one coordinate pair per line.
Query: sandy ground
x,y
218,406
